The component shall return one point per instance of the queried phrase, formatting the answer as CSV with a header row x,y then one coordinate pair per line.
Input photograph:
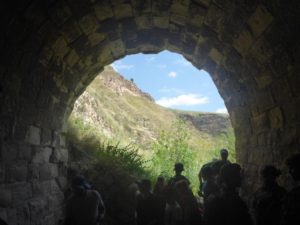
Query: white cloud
x,y
172,74
182,62
222,110
183,100
119,65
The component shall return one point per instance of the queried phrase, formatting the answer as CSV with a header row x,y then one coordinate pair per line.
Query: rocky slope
x,y
120,111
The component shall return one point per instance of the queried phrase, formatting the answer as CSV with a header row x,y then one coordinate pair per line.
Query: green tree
x,y
171,147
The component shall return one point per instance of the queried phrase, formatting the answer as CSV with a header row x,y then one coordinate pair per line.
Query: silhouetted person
x,y
220,163
178,168
200,175
159,186
209,185
188,204
291,204
148,209
159,191
227,208
267,202
173,211
85,206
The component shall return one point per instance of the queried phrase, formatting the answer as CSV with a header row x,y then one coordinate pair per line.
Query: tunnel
x,y
51,50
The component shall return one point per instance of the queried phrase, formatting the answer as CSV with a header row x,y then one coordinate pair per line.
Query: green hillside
x,y
114,111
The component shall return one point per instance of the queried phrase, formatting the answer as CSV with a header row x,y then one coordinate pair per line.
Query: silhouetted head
x,y
230,175
145,186
224,154
294,166
270,173
207,173
80,184
160,180
178,167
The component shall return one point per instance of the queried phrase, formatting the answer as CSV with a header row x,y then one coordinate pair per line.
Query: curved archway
x,y
51,51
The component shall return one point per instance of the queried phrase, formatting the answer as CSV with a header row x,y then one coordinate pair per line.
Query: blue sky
x,y
172,81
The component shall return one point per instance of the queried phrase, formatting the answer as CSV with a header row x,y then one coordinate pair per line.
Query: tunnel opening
x,y
114,109
52,50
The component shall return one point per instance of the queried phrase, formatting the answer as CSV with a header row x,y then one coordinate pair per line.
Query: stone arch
x,y
52,50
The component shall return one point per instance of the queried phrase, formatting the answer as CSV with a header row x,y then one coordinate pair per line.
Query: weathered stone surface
x,y
276,118
260,20
40,74
17,171
5,197
21,192
46,171
33,135
41,154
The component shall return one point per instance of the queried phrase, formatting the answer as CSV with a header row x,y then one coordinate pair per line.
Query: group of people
x,y
172,202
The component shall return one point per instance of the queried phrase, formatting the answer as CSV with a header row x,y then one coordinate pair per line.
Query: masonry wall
x,y
51,50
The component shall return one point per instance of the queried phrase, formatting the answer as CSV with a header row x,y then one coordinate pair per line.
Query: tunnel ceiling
x,y
51,50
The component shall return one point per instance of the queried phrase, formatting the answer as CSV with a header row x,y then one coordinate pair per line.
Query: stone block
x,y
276,118
160,22
33,171
54,170
96,38
17,171
8,151
41,187
55,140
33,135
21,192
215,55
55,201
144,22
260,122
23,214
5,197
60,47
38,209
89,24
264,100
123,11
72,58
243,42
103,11
56,156
260,20
71,31
62,182
55,189
60,12
46,137
196,15
117,48
214,18
264,79
45,171
24,151
41,154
